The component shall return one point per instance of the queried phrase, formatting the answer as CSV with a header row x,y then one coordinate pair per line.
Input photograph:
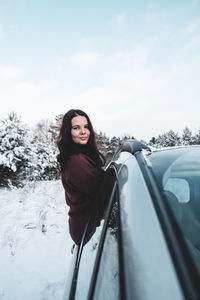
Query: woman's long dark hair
x,y
68,147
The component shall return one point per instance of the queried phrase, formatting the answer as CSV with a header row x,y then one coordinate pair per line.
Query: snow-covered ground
x,y
35,246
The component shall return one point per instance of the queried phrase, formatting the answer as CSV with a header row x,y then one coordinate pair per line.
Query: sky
x,y
133,66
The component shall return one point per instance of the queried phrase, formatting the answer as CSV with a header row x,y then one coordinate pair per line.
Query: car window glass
x,y
180,187
107,284
87,264
182,190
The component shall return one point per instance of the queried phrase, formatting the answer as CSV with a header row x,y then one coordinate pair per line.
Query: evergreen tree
x,y
115,142
15,151
54,127
45,166
168,139
103,144
196,139
186,136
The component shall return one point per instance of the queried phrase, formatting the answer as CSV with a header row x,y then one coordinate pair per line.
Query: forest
x,y
30,154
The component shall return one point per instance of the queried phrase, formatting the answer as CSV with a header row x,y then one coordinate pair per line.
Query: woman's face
x,y
80,131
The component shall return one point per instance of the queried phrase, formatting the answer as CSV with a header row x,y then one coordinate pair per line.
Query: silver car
x,y
148,246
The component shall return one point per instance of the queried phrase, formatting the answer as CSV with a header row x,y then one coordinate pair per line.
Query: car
x,y
148,245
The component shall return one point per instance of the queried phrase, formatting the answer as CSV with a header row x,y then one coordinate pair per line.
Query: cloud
x,y
85,60
132,96
123,92
10,72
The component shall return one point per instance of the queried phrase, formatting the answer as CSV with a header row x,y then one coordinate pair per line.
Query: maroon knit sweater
x,y
81,179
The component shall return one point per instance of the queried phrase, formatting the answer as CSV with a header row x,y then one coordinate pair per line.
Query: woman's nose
x,y
82,130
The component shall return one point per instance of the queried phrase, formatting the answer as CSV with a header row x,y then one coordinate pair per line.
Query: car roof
x,y
153,150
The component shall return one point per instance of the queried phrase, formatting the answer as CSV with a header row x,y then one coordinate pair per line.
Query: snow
x,y
35,245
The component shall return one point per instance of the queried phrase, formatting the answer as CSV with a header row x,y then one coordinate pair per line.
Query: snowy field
x,y
35,246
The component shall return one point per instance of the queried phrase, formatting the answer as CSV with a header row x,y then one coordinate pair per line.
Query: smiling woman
x,y
81,171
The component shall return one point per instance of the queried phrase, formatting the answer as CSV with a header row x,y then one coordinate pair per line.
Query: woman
x,y
81,171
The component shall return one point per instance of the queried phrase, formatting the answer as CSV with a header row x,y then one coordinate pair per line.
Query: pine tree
x,y
115,142
168,139
196,138
15,151
45,166
186,136
54,127
103,144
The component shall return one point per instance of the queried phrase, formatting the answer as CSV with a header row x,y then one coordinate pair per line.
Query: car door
x,y
149,272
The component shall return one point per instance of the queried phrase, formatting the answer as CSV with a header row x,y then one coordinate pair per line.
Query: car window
x,y
87,265
107,285
180,184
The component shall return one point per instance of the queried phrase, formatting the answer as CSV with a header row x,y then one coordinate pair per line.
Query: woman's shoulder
x,y
83,163
74,164
81,159
79,165
78,157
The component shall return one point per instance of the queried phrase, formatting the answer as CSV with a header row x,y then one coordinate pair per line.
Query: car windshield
x,y
177,172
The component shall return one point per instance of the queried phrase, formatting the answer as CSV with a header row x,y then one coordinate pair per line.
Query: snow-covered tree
x,y
114,145
186,136
196,139
54,128
168,139
44,161
15,150
103,143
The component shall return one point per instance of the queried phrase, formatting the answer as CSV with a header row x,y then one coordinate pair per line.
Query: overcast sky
x,y
133,66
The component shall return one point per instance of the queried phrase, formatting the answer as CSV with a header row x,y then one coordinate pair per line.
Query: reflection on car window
x,y
107,283
180,188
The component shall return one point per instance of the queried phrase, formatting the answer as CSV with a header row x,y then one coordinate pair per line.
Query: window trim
x,y
121,253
